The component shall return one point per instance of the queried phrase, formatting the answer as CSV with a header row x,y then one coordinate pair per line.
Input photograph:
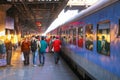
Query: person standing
x,y
8,45
51,43
34,50
25,48
48,41
57,47
2,49
42,50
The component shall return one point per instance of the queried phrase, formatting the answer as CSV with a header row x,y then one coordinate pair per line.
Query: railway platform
x,y
50,70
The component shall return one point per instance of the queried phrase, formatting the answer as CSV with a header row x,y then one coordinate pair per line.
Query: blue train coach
x,y
92,41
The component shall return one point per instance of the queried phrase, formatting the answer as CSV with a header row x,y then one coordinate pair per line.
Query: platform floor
x,y
50,70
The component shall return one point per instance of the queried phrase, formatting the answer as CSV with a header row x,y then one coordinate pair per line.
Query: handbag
x,y
22,57
53,49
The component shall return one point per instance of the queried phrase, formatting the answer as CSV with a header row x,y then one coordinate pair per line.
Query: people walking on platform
x,y
42,50
51,43
34,50
48,41
35,44
14,42
25,48
57,47
8,45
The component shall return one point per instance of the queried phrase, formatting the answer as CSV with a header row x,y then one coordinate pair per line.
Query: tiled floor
x,y
50,71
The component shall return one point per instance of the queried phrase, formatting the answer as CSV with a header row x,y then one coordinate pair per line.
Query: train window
x,y
67,32
60,30
103,38
70,38
74,36
89,37
65,36
63,33
80,37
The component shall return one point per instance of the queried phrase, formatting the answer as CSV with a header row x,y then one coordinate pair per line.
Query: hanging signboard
x,y
9,23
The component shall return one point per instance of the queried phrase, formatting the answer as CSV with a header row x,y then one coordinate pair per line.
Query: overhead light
x,y
9,0
38,23
81,2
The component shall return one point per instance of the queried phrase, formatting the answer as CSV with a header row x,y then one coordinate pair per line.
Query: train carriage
x,y
93,41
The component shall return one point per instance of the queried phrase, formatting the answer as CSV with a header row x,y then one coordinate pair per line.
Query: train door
x,y
103,38
119,28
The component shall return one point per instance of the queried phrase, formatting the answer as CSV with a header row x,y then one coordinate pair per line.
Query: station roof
x,y
37,15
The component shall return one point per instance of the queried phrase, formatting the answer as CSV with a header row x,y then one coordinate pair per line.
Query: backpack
x,y
33,45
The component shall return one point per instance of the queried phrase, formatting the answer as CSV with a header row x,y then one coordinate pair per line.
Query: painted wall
x,y
2,20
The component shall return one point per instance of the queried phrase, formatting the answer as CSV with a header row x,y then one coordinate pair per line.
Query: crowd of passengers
x,y
38,45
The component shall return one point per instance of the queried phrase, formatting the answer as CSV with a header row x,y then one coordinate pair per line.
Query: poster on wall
x,y
9,23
